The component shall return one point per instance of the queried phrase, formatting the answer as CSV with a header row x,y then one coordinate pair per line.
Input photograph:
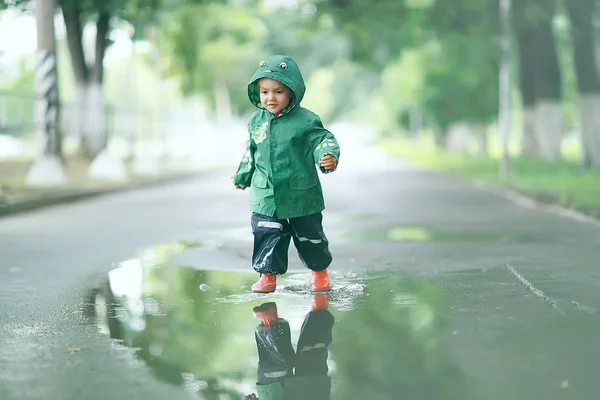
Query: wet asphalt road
x,y
440,246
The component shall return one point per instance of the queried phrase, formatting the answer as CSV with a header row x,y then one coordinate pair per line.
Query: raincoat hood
x,y
282,69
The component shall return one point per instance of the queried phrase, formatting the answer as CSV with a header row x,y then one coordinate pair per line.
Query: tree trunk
x,y
96,139
457,138
529,141
415,122
97,121
527,70
88,80
581,14
481,137
549,128
102,30
72,17
440,138
540,79
547,86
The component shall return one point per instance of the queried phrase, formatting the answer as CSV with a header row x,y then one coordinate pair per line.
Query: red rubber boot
x,y
266,284
320,281
266,312
320,301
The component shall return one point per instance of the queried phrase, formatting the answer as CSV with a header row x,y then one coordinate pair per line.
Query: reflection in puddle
x,y
285,372
199,330
420,234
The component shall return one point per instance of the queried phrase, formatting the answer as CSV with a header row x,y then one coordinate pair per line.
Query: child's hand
x,y
328,162
239,187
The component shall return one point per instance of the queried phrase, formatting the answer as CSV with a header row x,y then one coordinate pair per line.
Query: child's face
x,y
274,95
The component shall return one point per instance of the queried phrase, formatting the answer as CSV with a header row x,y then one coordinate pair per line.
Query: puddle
x,y
463,335
421,234
372,336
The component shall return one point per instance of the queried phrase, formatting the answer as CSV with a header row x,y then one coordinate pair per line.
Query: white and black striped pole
x,y
46,94
47,169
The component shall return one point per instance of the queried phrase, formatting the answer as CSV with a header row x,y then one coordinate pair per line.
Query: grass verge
x,y
562,183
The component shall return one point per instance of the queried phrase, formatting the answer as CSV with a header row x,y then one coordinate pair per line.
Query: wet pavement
x,y
441,291
473,334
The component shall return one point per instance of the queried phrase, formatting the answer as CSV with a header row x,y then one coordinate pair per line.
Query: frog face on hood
x,y
282,69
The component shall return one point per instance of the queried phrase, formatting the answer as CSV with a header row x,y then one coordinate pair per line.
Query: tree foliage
x,y
206,44
363,50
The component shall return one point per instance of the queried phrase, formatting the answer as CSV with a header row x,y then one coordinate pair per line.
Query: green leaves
x,y
208,43
21,4
450,49
377,29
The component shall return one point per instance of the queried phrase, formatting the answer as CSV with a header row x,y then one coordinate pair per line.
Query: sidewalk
x,y
192,156
30,201
16,198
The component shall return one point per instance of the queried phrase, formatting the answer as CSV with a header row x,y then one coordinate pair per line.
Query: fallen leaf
x,y
564,384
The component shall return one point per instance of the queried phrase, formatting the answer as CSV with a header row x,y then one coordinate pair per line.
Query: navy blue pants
x,y
272,238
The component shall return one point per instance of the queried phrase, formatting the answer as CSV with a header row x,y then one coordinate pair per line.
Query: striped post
x,y
47,169
46,87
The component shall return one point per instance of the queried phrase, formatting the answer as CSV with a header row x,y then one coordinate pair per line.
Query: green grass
x,y
564,183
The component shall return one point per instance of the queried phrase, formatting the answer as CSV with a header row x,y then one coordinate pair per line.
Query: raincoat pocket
x,y
259,181
303,182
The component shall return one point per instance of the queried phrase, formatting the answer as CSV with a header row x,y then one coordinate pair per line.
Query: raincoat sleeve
x,y
243,176
323,142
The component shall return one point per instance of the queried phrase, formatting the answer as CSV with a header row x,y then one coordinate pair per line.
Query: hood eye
x,y
261,64
283,65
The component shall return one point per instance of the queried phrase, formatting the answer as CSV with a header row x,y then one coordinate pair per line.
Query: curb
x,y
69,196
527,201
515,196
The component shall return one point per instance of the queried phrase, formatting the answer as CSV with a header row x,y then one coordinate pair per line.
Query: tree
x,y
378,30
18,107
540,78
47,169
505,84
461,87
322,52
581,14
459,41
89,76
208,46
4,4
45,89
527,72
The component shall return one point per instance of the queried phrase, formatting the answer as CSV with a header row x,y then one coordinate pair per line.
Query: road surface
x,y
441,291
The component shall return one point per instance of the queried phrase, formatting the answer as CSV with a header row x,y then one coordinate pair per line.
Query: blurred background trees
x,y
420,69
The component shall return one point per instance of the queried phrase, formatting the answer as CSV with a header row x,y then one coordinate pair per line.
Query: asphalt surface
x,y
506,296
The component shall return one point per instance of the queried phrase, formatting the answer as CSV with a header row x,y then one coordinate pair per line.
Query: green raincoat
x,y
283,152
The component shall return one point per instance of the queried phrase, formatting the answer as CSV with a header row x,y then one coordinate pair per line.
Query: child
x,y
286,142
